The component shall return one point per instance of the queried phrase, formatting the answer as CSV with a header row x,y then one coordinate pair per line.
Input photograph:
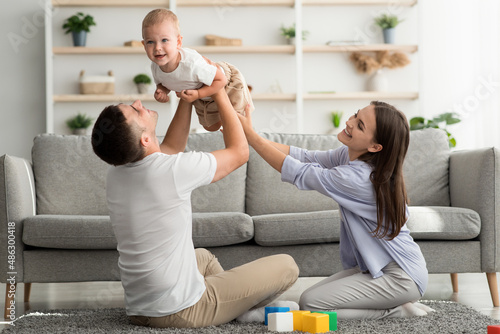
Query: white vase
x,y
377,82
142,88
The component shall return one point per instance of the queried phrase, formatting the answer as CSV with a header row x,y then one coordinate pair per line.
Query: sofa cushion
x,y
443,223
297,228
96,232
69,232
267,194
70,179
426,168
425,223
221,229
226,195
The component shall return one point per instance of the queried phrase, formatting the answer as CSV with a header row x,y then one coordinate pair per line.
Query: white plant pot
x,y
142,88
377,82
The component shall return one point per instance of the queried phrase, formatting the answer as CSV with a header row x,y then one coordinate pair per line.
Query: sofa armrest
x,y
475,184
17,201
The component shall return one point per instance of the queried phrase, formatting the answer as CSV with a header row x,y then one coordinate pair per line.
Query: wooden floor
x,y
473,291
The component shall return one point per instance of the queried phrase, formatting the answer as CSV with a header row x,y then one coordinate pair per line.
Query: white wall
x,y
23,80
442,84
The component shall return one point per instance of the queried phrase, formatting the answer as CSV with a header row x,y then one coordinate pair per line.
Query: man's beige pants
x,y
232,292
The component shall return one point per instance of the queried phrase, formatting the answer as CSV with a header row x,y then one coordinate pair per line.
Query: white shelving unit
x,y
297,51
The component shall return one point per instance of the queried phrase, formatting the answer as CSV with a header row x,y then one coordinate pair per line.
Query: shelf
x,y
360,48
149,97
110,3
245,49
256,97
241,3
362,96
290,49
408,3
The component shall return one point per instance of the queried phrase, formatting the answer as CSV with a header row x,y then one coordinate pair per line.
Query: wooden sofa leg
x,y
9,296
492,282
454,282
27,292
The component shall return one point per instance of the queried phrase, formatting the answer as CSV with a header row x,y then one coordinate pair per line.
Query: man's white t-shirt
x,y
150,208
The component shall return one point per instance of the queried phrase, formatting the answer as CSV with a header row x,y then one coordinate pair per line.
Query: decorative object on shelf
x,y
97,84
336,117
79,124
388,24
134,44
289,33
438,122
377,82
142,81
222,41
367,64
79,25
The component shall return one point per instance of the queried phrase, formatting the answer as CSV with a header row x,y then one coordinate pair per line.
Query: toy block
x,y
333,319
315,323
494,329
280,322
297,319
274,309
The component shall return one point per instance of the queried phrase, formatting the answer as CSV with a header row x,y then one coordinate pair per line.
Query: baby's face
x,y
162,42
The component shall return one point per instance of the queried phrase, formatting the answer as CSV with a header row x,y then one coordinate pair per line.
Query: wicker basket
x,y
221,41
97,84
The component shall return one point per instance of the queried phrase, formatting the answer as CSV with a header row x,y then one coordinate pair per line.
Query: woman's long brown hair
x,y
393,133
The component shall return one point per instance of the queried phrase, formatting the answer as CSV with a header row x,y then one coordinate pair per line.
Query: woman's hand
x,y
246,121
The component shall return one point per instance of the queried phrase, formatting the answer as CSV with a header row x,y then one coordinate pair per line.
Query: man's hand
x,y
189,95
161,93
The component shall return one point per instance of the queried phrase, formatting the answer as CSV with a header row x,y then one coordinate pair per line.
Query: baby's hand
x,y
161,94
189,95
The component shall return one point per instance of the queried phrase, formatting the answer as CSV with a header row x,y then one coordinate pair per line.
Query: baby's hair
x,y
159,15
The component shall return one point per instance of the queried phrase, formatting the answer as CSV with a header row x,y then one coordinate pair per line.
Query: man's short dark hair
x,y
115,140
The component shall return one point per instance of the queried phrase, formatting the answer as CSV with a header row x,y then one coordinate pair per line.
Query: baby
x,y
193,77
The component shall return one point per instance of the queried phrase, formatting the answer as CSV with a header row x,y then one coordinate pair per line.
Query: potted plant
x,y
388,23
438,122
79,124
289,33
79,25
336,117
142,81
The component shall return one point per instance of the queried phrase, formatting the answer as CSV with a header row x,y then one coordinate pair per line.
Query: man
x,y
167,282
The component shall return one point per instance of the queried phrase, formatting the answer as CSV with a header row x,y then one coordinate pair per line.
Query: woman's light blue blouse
x,y
348,183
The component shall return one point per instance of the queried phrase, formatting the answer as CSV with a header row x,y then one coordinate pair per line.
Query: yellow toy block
x,y
315,323
297,319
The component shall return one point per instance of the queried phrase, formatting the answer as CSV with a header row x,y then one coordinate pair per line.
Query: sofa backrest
x,y
426,168
226,195
69,178
266,193
425,171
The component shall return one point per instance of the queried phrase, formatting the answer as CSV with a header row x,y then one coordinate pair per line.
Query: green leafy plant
x,y
142,78
289,32
336,117
78,22
385,21
449,118
80,121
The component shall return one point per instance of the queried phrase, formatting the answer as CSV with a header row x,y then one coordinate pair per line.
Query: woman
x,y
384,272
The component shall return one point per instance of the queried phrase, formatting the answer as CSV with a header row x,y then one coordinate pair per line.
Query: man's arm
x,y
236,152
218,83
175,140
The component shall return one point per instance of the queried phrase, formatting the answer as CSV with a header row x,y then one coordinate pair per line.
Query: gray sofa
x,y
54,210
